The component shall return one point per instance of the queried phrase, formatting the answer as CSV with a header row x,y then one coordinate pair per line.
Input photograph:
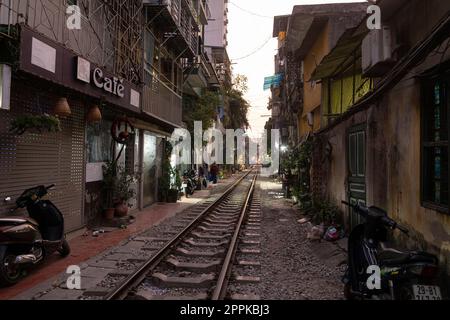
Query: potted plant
x,y
35,123
123,191
169,191
174,191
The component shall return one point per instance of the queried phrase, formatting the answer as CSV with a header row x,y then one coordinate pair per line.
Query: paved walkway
x,y
86,246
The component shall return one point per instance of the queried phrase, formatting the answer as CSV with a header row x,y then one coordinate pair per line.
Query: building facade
x,y
216,40
126,60
388,146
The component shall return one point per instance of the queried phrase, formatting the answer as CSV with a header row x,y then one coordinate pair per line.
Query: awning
x,y
300,26
345,47
308,20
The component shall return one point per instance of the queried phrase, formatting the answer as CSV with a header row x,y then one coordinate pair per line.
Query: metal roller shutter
x,y
44,159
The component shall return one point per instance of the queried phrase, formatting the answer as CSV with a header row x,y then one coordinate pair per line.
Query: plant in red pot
x,y
124,191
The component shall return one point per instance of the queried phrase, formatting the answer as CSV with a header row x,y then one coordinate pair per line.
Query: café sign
x,y
51,61
112,85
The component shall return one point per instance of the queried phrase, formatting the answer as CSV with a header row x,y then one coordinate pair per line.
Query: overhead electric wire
x,y
250,12
255,51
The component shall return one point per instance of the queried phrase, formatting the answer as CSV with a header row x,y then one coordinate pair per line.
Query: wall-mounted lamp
x,y
62,108
94,114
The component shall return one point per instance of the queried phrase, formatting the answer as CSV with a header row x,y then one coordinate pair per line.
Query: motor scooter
x,y
26,241
403,275
189,182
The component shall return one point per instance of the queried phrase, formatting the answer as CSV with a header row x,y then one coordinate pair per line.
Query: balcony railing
x,y
161,102
183,16
109,34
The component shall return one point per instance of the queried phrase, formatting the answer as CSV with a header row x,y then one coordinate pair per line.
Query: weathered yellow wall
x,y
338,106
312,93
393,167
403,140
393,149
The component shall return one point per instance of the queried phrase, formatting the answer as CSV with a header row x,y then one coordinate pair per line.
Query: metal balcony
x,y
177,20
105,27
161,102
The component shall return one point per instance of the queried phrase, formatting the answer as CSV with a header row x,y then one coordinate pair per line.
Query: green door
x,y
356,170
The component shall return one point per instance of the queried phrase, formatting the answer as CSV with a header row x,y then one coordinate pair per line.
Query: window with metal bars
x,y
435,173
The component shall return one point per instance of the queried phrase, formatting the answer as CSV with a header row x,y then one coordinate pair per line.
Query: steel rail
x,y
122,291
224,276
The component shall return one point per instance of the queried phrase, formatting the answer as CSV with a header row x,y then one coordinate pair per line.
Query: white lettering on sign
x,y
112,85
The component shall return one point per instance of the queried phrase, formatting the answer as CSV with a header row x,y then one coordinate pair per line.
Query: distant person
x,y
214,170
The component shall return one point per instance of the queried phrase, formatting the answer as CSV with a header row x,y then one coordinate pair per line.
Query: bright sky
x,y
250,33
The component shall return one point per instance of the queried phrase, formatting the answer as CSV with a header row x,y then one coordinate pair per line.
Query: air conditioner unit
x,y
377,56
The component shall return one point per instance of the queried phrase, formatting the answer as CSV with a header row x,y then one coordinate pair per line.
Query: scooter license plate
x,y
184,185
427,292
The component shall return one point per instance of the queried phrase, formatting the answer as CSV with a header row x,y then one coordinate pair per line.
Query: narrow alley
x,y
231,154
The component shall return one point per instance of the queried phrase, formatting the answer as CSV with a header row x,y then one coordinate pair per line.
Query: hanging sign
x,y
273,80
112,85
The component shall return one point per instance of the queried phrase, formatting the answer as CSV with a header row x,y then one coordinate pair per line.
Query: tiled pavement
x,y
92,254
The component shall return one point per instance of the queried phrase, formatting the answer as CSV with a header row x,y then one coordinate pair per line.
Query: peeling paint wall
x,y
393,153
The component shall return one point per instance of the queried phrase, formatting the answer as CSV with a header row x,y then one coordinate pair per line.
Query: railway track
x,y
198,262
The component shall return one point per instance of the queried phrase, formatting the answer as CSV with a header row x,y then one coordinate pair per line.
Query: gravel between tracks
x,y
290,268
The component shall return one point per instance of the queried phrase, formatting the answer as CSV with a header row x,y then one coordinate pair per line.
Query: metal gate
x,y
43,159
356,170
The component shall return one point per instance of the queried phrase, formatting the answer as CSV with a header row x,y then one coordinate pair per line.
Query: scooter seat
x,y
16,221
393,257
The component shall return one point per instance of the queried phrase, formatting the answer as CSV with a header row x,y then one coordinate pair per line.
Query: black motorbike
x,y
189,182
25,242
403,275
